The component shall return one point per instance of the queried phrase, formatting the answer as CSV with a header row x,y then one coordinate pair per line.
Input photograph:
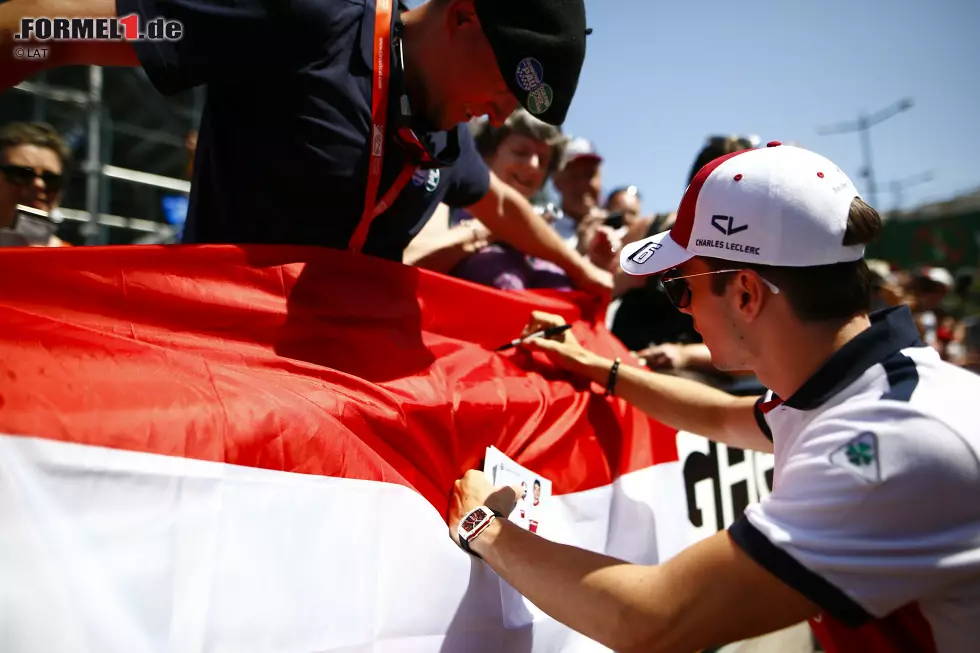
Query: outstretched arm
x,y
681,403
711,594
511,217
440,247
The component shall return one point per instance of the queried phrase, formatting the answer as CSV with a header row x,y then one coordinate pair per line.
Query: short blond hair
x,y
488,138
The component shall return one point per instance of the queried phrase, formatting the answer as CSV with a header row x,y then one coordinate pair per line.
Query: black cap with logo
x,y
540,49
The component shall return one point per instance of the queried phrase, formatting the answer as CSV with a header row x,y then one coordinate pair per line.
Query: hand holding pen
x,y
550,332
551,335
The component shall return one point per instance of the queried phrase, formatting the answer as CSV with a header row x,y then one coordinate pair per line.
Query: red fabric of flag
x,y
304,360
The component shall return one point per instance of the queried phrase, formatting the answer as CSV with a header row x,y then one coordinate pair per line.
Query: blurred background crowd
x,y
563,176
43,166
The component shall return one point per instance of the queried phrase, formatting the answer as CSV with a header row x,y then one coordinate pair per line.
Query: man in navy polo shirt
x,y
285,143
872,528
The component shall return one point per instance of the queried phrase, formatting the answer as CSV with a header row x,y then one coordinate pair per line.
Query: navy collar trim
x,y
891,330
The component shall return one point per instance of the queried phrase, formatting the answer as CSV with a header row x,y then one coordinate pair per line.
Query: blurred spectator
x,y
719,146
522,153
595,231
190,147
971,344
887,290
929,287
963,284
626,200
941,305
175,206
949,337
33,163
601,235
579,180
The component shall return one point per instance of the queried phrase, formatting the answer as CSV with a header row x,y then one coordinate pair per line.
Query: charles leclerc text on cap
x,y
779,205
539,46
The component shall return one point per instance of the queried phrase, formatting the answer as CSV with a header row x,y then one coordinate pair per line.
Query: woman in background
x,y
523,152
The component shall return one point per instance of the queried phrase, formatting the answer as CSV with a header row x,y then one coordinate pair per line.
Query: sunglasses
x,y
25,176
678,290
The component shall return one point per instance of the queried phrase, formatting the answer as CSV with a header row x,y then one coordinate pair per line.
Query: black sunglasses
x,y
678,290
24,176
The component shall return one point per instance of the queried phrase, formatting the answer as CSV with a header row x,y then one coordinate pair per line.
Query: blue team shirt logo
x,y
530,74
427,178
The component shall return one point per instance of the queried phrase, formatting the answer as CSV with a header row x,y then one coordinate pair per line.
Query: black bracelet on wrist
x,y
613,374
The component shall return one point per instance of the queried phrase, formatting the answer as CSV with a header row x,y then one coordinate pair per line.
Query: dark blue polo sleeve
x,y
224,41
471,176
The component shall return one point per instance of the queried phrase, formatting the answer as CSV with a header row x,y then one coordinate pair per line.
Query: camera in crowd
x,y
31,228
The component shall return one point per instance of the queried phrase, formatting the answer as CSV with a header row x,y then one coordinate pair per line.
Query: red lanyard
x,y
379,114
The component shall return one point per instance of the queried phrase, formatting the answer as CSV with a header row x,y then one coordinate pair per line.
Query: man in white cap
x,y
930,286
872,530
579,180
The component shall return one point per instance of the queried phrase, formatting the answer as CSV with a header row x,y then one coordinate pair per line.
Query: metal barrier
x,y
132,224
96,172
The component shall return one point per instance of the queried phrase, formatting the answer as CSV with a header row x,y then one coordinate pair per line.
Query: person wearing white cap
x,y
872,528
579,180
930,286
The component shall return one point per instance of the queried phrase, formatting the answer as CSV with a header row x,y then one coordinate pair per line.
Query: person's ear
x,y
460,15
750,294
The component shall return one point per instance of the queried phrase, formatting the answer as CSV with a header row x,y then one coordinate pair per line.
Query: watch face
x,y
473,519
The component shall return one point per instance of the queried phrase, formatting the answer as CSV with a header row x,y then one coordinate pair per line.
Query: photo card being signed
x,y
529,514
536,490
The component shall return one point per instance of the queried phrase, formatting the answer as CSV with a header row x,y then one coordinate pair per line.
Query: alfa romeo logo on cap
x,y
530,77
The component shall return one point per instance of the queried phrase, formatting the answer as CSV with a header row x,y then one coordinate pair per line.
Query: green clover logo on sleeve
x,y
860,453
859,456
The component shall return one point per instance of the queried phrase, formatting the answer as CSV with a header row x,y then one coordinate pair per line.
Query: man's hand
x,y
474,490
669,356
480,236
592,279
564,349
605,246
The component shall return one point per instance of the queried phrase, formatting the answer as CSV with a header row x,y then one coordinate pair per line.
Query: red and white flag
x,y
219,448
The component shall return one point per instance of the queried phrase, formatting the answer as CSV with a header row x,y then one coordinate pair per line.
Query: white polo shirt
x,y
875,508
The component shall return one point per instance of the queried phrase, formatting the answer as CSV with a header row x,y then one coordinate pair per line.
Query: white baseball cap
x,y
939,275
778,205
579,148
